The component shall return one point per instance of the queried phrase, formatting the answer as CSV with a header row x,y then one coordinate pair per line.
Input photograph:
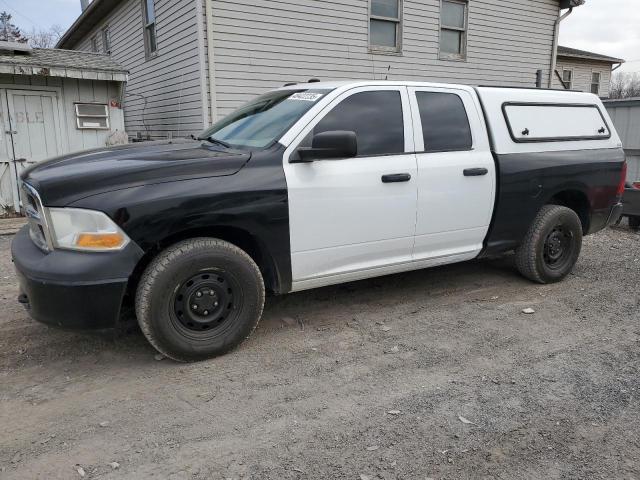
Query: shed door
x,y
33,133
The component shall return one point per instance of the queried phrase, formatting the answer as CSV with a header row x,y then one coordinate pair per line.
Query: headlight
x,y
86,230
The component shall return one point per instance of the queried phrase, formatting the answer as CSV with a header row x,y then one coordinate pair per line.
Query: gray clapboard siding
x,y
164,93
260,45
582,70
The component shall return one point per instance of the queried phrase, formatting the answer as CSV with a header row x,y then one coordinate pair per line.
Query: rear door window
x,y
445,125
375,117
531,122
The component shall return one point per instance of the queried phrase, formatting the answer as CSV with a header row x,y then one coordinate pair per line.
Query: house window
x,y
106,40
385,26
150,39
94,44
595,83
92,116
453,29
567,79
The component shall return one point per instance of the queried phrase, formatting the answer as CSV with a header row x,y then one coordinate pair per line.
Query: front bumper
x,y
72,289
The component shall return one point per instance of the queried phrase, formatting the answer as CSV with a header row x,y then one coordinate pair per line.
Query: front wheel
x,y
634,223
199,299
552,245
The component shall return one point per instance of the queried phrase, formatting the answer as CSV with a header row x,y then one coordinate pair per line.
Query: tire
x,y
199,299
552,245
634,223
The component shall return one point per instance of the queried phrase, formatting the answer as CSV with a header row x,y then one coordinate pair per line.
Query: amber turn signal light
x,y
100,240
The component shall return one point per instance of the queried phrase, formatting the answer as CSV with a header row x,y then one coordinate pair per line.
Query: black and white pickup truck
x,y
310,185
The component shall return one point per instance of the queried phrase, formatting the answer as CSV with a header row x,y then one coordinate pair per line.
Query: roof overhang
x,y
96,12
63,72
571,3
572,53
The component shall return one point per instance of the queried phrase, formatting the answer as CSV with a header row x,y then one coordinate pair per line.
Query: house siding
x,y
582,70
164,93
261,45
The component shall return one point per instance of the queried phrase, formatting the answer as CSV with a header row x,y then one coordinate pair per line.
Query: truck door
x,y
456,174
354,215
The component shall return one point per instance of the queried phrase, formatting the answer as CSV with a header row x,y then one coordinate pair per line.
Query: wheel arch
x,y
239,237
575,198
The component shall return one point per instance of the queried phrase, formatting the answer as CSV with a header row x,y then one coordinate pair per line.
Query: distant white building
x,y
192,61
585,71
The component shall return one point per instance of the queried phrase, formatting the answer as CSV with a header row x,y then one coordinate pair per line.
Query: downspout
x,y
616,67
202,60
554,52
211,61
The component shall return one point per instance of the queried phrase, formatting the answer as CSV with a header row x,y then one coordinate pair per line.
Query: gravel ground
x,y
430,374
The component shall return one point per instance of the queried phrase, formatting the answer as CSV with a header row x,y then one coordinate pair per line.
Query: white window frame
x,y
148,26
398,23
80,116
567,85
462,56
593,84
106,40
302,133
475,123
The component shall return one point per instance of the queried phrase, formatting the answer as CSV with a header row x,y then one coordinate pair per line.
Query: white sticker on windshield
x,y
306,96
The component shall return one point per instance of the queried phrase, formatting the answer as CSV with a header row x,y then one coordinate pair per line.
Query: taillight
x,y
623,179
636,185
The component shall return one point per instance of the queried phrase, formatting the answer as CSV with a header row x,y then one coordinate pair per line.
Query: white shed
x,y
53,102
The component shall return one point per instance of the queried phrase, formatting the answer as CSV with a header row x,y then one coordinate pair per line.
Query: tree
x,y
8,31
625,85
45,38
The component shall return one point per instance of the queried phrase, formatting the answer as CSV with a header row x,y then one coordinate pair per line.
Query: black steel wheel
x,y
552,245
199,298
205,301
558,248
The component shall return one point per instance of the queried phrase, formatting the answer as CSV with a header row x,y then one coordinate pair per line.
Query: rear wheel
x,y
199,299
552,245
634,223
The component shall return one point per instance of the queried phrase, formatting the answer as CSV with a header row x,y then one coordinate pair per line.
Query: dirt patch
x,y
549,395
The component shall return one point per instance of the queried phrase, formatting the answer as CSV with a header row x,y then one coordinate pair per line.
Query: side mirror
x,y
328,145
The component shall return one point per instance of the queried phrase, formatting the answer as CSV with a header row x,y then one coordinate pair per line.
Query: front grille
x,y
36,217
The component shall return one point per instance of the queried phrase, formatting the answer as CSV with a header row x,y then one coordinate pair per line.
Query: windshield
x,y
264,120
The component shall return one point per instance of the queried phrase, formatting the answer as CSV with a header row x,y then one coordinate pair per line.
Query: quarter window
x,y
375,117
385,24
453,29
567,78
595,83
150,38
445,126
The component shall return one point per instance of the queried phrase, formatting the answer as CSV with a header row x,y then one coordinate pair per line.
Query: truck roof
x,y
558,120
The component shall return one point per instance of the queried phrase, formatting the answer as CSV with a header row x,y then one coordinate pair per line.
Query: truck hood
x,y
64,180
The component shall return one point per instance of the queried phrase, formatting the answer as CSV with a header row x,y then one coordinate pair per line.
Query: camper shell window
x,y
554,122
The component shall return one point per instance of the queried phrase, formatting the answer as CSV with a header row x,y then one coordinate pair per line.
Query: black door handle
x,y
475,172
396,178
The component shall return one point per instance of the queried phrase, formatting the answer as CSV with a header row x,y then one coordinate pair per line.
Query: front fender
x,y
253,200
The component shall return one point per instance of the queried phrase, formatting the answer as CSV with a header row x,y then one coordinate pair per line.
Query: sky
x,y
610,27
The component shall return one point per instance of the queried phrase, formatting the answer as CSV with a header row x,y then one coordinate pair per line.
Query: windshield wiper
x,y
215,141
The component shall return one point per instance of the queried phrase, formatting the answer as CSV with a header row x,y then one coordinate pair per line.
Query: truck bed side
x,y
582,172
